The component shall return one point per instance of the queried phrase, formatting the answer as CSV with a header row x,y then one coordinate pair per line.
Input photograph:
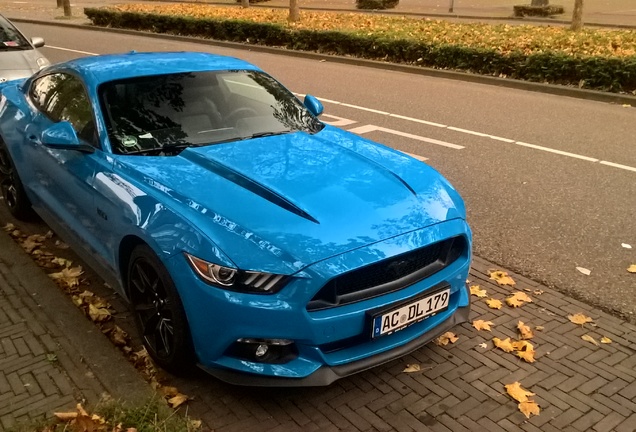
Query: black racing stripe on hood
x,y
247,183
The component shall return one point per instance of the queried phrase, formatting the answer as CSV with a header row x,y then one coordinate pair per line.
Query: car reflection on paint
x,y
249,237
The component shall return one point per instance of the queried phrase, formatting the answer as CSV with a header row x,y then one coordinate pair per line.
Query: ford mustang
x,y
249,238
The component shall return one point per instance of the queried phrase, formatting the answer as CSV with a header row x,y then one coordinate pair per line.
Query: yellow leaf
x,y
169,391
494,303
62,262
525,332
517,392
9,227
505,344
522,345
588,338
98,314
606,340
68,276
502,278
529,408
446,338
527,356
412,368
518,299
477,291
118,336
580,319
632,268
65,416
178,400
482,325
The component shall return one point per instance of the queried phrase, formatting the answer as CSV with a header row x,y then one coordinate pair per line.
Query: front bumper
x,y
326,375
331,343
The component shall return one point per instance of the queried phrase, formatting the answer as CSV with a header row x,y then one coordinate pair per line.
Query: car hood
x,y
18,64
298,197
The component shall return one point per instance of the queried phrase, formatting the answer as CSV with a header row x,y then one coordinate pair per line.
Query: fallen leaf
x,y
61,245
606,340
538,292
527,356
518,299
65,416
585,271
494,303
504,344
9,227
446,338
169,391
517,392
477,291
98,314
62,262
177,400
580,319
529,408
588,338
68,276
482,325
632,268
412,368
525,332
49,234
195,424
522,345
502,278
118,336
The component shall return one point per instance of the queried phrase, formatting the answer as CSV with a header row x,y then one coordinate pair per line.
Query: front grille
x,y
388,275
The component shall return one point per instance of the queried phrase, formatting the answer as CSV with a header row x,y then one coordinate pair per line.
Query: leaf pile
x,y
503,38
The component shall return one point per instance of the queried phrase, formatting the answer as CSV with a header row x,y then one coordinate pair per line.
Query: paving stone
x,y
609,422
588,420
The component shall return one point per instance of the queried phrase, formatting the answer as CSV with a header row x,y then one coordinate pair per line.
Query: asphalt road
x,y
549,181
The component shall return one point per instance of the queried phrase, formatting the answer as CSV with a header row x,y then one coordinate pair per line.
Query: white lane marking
x,y
418,157
338,121
559,152
71,50
418,120
470,132
372,128
615,165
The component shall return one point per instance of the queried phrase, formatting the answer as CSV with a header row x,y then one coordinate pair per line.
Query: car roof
x,y
112,67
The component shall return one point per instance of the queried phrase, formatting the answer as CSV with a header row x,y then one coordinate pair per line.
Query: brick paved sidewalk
x,y
578,385
51,357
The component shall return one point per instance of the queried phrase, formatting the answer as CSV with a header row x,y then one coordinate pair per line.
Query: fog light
x,y
273,351
261,350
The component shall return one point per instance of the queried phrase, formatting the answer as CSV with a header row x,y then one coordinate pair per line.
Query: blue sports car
x,y
249,237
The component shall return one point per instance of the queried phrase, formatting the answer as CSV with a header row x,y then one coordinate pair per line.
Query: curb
x,y
82,341
595,95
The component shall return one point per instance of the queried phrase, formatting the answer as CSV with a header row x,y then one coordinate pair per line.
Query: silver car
x,y
19,57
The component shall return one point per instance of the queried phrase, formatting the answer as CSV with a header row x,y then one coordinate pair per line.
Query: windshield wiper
x,y
265,134
162,149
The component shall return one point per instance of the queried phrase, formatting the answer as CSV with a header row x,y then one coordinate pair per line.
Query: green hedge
x,y
376,4
600,73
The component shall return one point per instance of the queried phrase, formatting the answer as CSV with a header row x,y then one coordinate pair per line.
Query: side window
x,y
76,109
63,97
45,94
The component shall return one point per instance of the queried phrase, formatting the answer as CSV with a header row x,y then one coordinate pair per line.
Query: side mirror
x,y
37,42
313,105
62,136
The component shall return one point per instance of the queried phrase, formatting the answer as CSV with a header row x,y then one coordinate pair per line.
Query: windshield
x,y
10,37
163,114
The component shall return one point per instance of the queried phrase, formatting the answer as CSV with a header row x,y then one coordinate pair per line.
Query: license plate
x,y
410,313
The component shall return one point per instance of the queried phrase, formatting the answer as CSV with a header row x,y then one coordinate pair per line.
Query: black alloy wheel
x,y
159,312
12,190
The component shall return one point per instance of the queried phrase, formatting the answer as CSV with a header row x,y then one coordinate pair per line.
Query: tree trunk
x,y
245,3
294,11
67,8
577,16
59,3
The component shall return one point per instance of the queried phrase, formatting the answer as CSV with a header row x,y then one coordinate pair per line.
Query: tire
x,y
13,193
158,312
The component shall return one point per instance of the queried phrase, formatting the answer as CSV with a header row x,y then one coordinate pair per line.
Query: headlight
x,y
42,62
237,280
